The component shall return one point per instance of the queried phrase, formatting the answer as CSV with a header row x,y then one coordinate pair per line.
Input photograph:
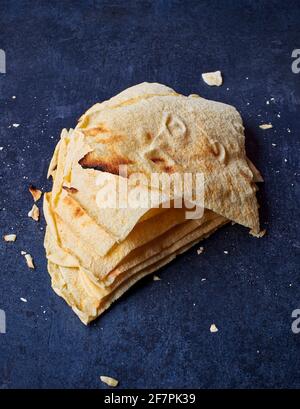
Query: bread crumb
x,y
34,213
266,126
261,233
226,252
213,328
109,381
29,260
213,78
36,193
9,237
156,278
200,250
15,125
23,299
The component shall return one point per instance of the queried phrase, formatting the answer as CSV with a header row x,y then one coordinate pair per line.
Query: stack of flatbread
x,y
95,253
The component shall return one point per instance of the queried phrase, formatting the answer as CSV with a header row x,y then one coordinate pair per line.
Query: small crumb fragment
x,y
200,250
29,260
156,278
288,129
9,237
266,126
261,233
274,144
213,328
36,193
14,97
34,213
203,279
15,125
213,78
1,148
226,252
285,160
109,381
23,299
23,252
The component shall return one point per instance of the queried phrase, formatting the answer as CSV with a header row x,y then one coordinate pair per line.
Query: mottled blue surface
x,y
63,56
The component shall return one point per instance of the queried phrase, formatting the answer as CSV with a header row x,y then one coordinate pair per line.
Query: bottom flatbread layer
x,y
89,300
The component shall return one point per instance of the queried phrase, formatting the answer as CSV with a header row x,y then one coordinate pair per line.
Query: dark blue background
x,y
62,57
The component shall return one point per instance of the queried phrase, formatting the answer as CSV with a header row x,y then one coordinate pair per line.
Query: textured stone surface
x,y
61,58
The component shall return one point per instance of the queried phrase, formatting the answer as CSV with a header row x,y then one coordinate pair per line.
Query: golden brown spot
x,y
110,165
70,189
169,169
148,136
157,160
67,201
111,140
247,176
76,210
95,131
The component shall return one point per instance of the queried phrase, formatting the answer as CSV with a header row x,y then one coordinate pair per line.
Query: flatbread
x,y
96,252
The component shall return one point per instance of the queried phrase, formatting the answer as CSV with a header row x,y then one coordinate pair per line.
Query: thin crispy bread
x,y
96,252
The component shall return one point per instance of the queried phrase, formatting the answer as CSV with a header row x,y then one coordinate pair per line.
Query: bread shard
x,y
96,253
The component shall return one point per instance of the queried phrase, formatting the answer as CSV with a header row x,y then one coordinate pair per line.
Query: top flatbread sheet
x,y
150,128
